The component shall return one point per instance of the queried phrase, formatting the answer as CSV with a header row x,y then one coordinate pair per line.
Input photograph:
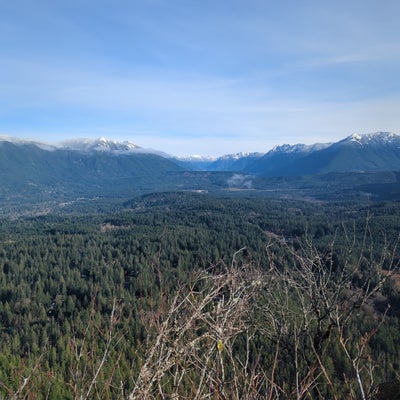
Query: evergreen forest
x,y
183,295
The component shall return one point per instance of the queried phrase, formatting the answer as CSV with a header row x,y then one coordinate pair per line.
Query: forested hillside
x,y
185,295
38,178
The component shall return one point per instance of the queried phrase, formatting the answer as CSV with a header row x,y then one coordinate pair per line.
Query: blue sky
x,y
199,77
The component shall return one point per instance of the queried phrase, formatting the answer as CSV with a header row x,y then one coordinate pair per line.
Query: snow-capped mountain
x,y
35,172
297,159
366,152
196,158
81,167
235,162
299,148
377,138
277,161
228,162
27,142
99,145
378,151
194,162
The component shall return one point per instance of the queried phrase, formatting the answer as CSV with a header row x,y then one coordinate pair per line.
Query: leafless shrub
x,y
308,307
193,354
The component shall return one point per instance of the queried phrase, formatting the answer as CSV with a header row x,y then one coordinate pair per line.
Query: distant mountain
x,y
31,170
235,162
38,173
360,153
229,162
279,160
371,152
194,163
357,153
109,158
100,145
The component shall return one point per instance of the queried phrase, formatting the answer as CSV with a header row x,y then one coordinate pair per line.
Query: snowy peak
x,y
81,145
370,152
100,145
228,162
367,139
196,158
376,138
238,156
298,148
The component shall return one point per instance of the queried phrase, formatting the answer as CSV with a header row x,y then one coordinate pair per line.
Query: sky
x,y
207,77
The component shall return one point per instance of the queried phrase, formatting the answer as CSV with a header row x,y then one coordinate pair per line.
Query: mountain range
x,y
87,168
356,153
37,173
378,151
372,152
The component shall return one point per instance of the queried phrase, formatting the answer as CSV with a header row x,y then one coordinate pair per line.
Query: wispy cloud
x,y
205,75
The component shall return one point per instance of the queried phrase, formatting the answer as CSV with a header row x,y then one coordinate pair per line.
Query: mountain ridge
x,y
103,144
35,174
355,153
371,152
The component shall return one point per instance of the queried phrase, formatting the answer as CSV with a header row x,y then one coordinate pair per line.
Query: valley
x,y
126,275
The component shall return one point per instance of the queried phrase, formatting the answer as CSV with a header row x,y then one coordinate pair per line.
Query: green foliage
x,y
62,277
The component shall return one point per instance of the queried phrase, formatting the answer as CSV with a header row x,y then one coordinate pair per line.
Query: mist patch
x,y
240,181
